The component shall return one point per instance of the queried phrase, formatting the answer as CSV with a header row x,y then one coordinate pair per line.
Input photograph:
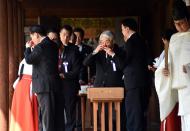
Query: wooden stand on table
x,y
166,46
104,95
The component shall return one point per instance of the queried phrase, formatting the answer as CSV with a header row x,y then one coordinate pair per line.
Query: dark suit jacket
x,y
72,57
44,58
135,69
106,75
86,50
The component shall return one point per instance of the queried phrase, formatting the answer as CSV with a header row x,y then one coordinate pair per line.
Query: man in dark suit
x,y
69,68
86,72
135,76
54,36
84,51
45,76
107,57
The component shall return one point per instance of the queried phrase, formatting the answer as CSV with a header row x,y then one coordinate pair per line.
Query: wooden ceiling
x,y
86,8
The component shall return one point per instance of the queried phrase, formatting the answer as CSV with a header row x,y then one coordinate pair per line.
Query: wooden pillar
x,y
156,28
15,40
20,33
4,72
12,70
168,14
151,26
15,34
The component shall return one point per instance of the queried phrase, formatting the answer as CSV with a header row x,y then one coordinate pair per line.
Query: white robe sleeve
x,y
166,95
159,60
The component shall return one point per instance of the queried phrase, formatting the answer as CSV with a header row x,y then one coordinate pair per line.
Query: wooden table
x,y
104,95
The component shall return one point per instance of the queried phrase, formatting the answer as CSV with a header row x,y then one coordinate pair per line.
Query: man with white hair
x,y
107,56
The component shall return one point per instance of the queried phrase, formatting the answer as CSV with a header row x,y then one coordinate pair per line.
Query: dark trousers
x,y
78,115
70,105
135,109
123,116
46,111
68,97
59,111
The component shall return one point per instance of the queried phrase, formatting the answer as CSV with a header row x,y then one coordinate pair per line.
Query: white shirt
x,y
27,70
159,60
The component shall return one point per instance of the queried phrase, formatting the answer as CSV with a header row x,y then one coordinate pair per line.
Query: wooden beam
x,y
83,12
84,8
80,3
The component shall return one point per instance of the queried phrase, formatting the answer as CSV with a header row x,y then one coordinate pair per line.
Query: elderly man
x,y
107,57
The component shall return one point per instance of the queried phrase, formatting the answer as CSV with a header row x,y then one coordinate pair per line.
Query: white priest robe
x,y
180,53
175,87
166,95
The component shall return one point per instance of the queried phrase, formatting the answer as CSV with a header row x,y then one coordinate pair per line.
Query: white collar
x,y
65,44
131,34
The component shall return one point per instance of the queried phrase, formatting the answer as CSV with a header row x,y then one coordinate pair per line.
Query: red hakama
x,y
24,116
172,122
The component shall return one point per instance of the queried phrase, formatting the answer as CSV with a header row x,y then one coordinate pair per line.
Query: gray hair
x,y
107,34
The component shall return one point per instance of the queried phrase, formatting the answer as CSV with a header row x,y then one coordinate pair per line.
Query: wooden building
x,y
153,16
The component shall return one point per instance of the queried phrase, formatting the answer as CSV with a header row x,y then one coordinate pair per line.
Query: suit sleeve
x,y
119,58
90,59
33,57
